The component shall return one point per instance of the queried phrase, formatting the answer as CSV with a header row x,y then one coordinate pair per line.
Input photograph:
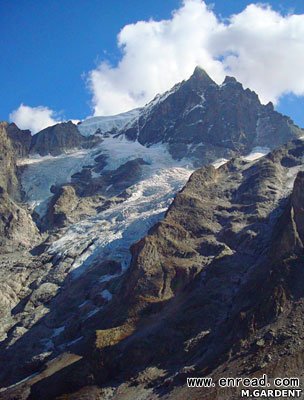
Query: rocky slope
x,y
188,305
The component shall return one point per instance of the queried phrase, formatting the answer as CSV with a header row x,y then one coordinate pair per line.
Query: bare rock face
x,y
290,237
59,139
110,182
8,171
21,140
297,204
61,205
17,228
201,120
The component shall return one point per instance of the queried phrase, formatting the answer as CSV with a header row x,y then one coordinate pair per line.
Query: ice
x,y
106,295
73,341
58,331
109,234
3,389
43,172
83,304
219,162
107,278
93,312
291,176
256,153
197,106
107,123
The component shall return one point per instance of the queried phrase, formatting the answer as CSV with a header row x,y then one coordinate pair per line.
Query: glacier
x,y
110,233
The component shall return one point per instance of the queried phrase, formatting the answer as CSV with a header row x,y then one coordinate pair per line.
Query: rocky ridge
x,y
203,121
60,138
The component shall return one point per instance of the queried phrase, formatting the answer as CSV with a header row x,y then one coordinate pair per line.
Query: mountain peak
x,y
199,79
200,74
229,79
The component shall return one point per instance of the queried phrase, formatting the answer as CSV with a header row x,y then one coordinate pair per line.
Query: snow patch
x,y
73,341
93,312
256,153
83,304
3,389
106,295
41,173
58,331
107,123
219,162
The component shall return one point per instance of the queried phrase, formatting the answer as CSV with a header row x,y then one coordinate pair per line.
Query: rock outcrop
x,y
59,139
8,170
21,140
17,228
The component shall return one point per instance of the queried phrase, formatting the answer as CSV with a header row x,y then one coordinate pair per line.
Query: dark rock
x,y
204,121
8,170
59,139
21,140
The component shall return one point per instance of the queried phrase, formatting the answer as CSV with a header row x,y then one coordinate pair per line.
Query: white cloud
x,y
261,48
264,50
33,118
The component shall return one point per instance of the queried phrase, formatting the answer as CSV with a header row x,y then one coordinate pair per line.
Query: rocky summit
x,y
139,250
202,120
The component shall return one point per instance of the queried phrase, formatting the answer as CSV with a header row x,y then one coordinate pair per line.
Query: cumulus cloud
x,y
260,47
33,118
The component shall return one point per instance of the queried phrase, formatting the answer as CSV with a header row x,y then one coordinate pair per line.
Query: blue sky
x,y
48,49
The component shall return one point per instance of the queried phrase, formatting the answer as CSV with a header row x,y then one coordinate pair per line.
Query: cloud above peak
x,y
260,47
33,118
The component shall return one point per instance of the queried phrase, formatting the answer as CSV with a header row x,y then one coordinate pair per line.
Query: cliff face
x,y
16,226
60,138
202,120
8,172
17,229
20,139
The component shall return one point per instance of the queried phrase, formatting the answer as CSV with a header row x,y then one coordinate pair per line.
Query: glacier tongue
x,y
113,231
